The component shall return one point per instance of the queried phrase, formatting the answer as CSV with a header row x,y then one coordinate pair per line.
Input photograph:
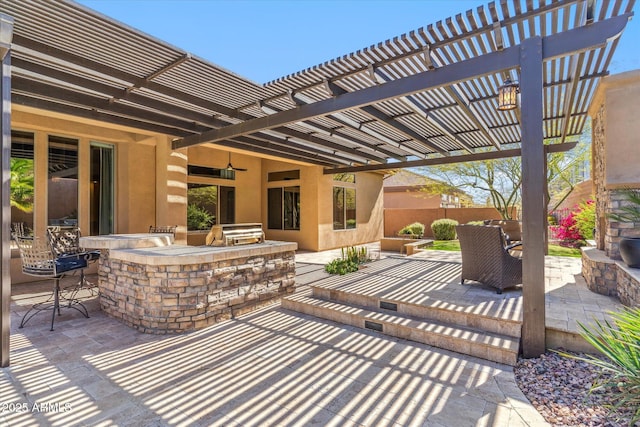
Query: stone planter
x,y
630,251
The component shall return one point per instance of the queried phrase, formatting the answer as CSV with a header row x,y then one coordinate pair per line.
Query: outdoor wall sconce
x,y
508,95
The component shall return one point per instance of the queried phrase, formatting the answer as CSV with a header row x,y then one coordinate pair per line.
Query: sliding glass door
x,y
102,207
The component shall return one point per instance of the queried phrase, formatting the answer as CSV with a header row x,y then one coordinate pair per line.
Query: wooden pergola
x,y
422,98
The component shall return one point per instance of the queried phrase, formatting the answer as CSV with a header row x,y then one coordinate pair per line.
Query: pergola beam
x,y
414,105
464,158
569,42
162,107
290,146
374,112
135,81
45,90
268,109
184,58
459,71
45,104
328,144
277,148
360,128
465,105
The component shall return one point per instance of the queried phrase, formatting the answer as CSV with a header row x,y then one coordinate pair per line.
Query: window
x,y
22,179
283,208
283,175
101,198
344,208
207,172
63,181
208,205
345,177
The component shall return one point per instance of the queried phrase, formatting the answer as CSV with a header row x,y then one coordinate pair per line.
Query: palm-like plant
x,y
629,212
619,342
22,184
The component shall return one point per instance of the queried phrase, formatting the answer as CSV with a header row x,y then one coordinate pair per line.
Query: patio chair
x,y
38,260
511,228
19,229
163,229
65,241
486,258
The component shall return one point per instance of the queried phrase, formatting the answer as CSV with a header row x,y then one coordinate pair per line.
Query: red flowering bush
x,y
577,226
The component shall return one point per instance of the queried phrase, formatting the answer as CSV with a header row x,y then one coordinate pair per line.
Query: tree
x,y
499,180
565,171
22,184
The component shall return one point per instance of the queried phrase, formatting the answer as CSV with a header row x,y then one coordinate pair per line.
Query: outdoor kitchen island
x,y
157,287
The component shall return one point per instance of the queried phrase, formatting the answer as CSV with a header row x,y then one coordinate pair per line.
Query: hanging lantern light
x,y
508,95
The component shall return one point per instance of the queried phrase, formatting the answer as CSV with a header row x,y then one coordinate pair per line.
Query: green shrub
x,y
341,266
198,218
586,219
352,257
620,344
475,223
630,210
444,229
416,229
358,255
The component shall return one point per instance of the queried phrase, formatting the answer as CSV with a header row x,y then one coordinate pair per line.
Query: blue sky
x,y
266,39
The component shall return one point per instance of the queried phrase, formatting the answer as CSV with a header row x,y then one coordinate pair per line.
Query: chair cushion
x,y
70,262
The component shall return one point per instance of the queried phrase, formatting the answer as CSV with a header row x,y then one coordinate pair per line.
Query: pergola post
x,y
6,34
533,195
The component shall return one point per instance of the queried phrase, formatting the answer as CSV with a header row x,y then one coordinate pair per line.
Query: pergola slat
x,y
572,41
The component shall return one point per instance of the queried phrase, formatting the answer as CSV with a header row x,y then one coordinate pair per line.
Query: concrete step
x,y
482,344
479,317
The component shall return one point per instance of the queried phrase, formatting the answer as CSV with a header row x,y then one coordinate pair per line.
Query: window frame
x,y
343,225
200,181
280,223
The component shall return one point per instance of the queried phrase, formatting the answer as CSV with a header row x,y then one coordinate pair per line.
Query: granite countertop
x,y
186,255
127,241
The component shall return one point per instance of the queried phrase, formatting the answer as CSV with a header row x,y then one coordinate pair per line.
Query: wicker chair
x,y
486,258
511,228
38,260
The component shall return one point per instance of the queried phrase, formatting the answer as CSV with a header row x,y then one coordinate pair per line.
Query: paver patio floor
x,y
269,367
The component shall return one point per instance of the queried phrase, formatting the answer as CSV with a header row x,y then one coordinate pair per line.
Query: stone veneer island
x,y
157,287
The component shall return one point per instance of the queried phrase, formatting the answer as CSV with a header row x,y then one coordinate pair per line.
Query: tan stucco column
x,y
616,138
171,188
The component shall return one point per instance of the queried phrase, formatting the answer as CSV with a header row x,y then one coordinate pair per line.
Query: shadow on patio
x,y
270,367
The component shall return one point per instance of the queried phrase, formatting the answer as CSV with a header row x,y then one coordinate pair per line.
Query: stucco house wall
x,y
151,184
369,212
316,208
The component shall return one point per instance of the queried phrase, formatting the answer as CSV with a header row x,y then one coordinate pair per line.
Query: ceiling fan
x,y
231,168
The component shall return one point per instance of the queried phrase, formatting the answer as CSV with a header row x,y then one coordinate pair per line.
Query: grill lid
x,y
235,234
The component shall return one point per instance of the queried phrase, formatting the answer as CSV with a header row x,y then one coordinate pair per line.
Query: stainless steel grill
x,y
235,234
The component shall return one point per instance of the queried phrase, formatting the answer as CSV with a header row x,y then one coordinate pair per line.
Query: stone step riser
x,y
461,341
470,320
